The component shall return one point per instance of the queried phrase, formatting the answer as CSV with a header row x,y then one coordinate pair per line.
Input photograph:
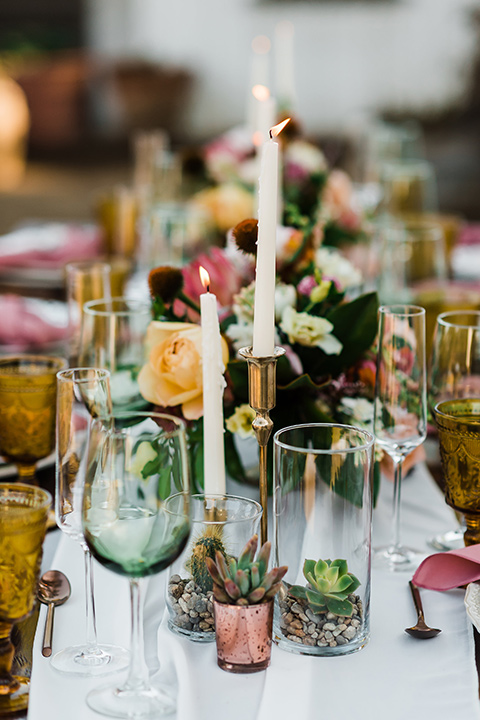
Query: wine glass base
x,y
140,704
451,540
18,700
397,559
80,660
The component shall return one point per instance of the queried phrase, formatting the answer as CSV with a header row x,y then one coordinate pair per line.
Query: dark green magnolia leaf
x,y
304,381
355,325
238,371
164,486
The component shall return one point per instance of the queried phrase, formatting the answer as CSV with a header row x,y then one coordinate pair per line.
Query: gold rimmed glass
x,y
28,388
458,425
23,520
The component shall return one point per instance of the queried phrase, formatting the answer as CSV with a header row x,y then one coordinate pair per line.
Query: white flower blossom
x,y
311,331
285,296
333,265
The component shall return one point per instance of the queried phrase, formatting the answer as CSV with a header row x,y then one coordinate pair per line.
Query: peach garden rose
x,y
173,374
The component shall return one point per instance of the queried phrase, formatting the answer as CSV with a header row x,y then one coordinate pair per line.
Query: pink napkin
x,y
447,570
22,329
49,245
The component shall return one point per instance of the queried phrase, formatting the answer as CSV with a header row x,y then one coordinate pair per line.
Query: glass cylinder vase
x,y
219,522
322,531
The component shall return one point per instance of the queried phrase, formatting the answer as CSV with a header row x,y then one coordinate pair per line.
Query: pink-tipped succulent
x,y
245,581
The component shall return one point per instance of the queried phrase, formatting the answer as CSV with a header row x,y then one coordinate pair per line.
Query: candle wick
x,y
208,288
271,134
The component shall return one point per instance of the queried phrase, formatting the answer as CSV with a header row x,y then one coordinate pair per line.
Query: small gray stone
x,y
341,640
175,579
190,587
349,633
329,626
331,616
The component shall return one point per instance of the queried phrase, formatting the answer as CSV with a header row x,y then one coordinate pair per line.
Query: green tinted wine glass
x,y
136,519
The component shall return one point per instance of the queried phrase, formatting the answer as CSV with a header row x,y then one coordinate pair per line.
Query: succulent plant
x,y
205,546
245,581
330,584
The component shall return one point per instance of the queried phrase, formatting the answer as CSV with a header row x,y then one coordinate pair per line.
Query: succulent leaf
x,y
343,583
329,585
242,580
246,581
342,566
320,568
339,607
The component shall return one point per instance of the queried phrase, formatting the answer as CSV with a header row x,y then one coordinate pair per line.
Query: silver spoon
x,y
421,629
53,589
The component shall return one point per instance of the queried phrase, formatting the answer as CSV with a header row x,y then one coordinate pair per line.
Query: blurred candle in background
x,y
259,75
284,65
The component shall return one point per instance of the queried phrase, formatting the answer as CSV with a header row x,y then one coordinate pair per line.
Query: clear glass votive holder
x,y
322,509
219,522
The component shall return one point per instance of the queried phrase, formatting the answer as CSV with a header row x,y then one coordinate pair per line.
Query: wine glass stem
x,y
91,622
138,672
397,485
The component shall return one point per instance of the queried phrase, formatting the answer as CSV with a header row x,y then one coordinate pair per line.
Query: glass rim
x,y
405,310
79,265
318,451
449,415
226,496
69,374
179,422
442,319
47,498
133,306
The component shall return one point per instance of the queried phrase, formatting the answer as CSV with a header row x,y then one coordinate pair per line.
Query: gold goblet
x,y
458,424
28,387
23,519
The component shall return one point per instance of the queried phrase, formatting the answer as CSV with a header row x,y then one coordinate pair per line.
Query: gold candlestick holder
x,y
262,386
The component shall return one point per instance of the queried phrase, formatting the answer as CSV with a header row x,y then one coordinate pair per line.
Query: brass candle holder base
x,y
262,386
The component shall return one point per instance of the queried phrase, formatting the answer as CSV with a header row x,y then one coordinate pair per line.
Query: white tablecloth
x,y
394,676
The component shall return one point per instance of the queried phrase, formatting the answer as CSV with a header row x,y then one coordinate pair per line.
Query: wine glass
x,y
113,337
83,394
454,373
23,519
134,526
400,418
28,387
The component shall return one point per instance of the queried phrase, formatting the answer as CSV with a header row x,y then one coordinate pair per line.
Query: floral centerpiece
x,y
327,373
325,325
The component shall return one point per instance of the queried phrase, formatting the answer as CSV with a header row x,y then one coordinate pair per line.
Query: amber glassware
x,y
458,424
23,518
28,388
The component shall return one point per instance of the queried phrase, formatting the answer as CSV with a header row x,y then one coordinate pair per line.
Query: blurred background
x,y
93,72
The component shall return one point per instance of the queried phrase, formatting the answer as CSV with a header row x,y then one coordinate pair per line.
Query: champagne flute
x,y
400,418
113,337
83,394
454,373
135,527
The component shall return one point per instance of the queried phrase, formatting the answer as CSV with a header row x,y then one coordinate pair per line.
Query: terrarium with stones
x,y
219,524
322,531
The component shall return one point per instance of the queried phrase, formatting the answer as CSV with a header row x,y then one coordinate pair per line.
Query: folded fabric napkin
x,y
27,324
49,245
447,570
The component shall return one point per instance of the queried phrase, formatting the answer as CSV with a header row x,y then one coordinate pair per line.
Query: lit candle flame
x,y
277,129
205,278
260,92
